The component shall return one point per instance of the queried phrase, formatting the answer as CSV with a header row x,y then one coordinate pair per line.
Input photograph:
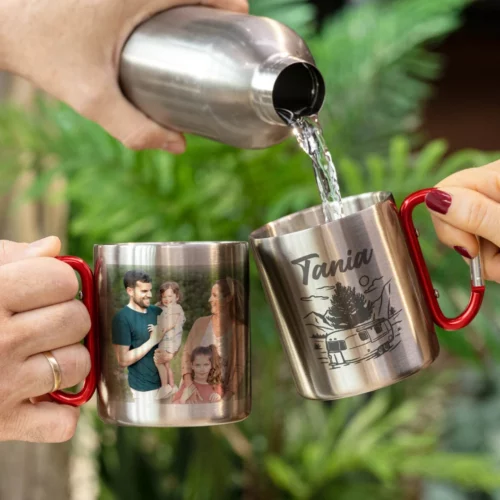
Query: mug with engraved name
x,y
169,341
353,299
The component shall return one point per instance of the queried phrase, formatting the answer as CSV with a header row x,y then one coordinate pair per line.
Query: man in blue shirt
x,y
132,341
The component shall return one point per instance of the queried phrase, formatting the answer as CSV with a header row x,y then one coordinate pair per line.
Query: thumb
x,y
11,251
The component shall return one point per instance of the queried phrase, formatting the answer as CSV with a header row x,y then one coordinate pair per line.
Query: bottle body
x,y
220,75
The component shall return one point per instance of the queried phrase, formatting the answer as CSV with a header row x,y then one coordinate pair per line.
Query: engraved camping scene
x,y
350,323
176,336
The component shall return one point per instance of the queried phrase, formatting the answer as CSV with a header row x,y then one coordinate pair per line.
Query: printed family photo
x,y
171,356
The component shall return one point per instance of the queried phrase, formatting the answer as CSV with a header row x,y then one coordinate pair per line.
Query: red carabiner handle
x,y
90,341
477,286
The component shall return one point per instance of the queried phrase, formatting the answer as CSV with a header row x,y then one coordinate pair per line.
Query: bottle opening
x,y
299,91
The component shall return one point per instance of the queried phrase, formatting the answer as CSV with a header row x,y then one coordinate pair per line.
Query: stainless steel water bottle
x,y
231,77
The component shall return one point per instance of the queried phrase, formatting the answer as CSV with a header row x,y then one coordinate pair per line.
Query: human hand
x,y
161,357
214,397
155,334
228,395
188,382
465,205
38,313
72,48
188,392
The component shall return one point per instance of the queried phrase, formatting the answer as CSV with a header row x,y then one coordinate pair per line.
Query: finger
x,y
233,5
41,399
130,126
42,423
485,179
46,247
467,210
54,326
11,251
464,243
34,283
490,255
37,376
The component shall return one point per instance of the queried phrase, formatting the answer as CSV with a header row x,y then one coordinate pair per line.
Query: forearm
x,y
186,368
133,355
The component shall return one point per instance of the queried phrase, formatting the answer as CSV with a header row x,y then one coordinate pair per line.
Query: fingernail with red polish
x,y
438,201
463,252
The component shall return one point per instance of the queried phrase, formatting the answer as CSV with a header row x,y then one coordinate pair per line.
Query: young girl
x,y
170,323
206,375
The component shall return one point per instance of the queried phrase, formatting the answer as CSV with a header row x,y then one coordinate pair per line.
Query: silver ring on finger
x,y
56,370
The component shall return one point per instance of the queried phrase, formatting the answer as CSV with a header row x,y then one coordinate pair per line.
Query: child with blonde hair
x,y
170,323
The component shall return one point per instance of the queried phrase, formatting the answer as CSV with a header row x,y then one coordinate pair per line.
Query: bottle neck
x,y
285,88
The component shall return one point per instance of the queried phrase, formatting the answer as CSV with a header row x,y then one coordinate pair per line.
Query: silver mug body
x,y
348,305
198,268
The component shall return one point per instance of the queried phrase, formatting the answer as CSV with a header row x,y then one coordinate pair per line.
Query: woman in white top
x,y
227,329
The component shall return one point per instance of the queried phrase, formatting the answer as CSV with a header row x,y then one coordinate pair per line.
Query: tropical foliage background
x,y
433,436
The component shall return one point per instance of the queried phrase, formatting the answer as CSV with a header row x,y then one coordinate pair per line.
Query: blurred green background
x,y
434,436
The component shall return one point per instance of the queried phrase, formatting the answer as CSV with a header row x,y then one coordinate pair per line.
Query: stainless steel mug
x,y
170,339
352,299
231,77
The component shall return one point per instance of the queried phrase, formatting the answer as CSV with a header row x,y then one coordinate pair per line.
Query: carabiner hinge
x,y
476,272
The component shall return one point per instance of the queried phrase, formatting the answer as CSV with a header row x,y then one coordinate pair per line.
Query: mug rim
x,y
171,243
383,196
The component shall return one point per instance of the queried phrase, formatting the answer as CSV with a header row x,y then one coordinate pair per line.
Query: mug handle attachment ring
x,y
90,341
477,283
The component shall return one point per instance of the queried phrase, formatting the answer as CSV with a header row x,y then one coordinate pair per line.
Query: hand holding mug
x,y
465,205
41,328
